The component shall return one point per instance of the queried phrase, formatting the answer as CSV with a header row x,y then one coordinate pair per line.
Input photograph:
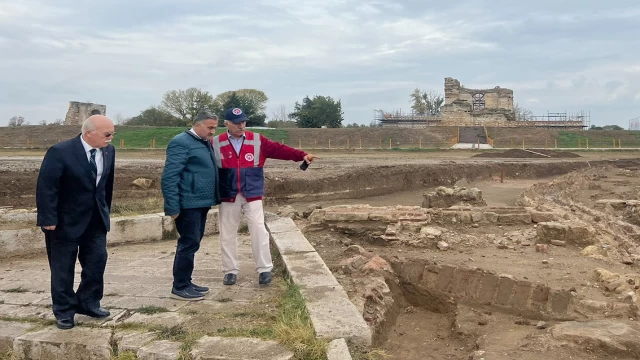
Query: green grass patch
x,y
141,136
126,355
150,310
7,355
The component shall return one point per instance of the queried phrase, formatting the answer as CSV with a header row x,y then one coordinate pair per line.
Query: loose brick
x,y
560,300
461,281
505,287
521,294
488,287
445,278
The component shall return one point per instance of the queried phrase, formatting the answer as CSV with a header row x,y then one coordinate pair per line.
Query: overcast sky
x,y
556,55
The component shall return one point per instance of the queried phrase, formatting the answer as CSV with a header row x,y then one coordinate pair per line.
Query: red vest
x,y
240,172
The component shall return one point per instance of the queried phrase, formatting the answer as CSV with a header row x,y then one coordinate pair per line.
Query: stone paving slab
x,y
133,340
10,330
309,270
75,344
338,350
220,348
160,350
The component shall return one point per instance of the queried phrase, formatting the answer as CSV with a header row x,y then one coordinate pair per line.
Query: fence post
x,y
389,143
512,146
523,143
619,144
614,143
4,142
587,140
282,141
329,143
546,143
299,143
315,142
121,143
580,143
380,143
556,142
360,143
420,142
348,143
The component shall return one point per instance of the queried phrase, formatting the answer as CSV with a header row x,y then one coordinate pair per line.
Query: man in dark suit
x,y
73,196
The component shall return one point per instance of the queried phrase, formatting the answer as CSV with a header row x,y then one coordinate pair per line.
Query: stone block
x,y
133,340
505,287
317,216
280,225
445,278
9,331
430,277
135,229
169,231
477,217
219,348
334,316
543,216
560,300
291,242
308,269
540,297
345,216
75,344
548,231
466,282
580,235
338,350
211,227
488,286
160,350
464,217
491,217
511,219
412,271
521,294
21,242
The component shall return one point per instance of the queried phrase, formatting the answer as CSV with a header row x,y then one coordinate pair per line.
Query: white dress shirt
x,y
99,162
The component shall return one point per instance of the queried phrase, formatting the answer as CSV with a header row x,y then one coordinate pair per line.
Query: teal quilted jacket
x,y
190,175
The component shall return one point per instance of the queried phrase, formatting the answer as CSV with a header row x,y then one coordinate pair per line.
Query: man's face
x,y
101,136
236,130
206,129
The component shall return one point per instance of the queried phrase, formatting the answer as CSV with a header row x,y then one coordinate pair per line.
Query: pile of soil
x,y
524,154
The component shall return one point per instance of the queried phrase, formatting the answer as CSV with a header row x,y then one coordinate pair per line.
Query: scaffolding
x,y
562,119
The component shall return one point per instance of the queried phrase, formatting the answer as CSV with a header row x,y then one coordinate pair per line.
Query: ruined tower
x,y
78,112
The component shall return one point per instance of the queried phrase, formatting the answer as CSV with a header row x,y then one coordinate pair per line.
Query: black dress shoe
x,y
229,279
94,313
65,324
264,278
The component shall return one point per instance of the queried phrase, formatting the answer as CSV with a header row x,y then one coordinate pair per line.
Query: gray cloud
x,y
556,56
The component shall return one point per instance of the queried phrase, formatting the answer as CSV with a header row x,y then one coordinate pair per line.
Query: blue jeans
x,y
190,225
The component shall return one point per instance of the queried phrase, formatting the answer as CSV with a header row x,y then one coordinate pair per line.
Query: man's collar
x,y
86,146
235,138
194,133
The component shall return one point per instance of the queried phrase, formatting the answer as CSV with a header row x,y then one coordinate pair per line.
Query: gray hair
x,y
205,115
88,125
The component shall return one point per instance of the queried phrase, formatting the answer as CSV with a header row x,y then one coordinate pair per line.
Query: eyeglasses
x,y
108,134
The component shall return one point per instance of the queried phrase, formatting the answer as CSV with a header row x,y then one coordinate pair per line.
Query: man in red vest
x,y
240,156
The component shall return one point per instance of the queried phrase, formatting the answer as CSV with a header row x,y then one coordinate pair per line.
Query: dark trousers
x,y
190,225
91,250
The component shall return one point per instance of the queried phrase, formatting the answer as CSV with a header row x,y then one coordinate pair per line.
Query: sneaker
x,y
229,279
264,278
187,294
200,289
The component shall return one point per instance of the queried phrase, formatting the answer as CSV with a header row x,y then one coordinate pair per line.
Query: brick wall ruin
x,y
473,105
78,112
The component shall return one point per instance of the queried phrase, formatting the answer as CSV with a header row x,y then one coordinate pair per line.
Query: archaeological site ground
x,y
451,254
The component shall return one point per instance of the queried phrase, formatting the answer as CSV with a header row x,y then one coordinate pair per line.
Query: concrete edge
x,y
330,322
338,350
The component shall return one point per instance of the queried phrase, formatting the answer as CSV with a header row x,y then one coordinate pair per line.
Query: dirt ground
x,y
380,178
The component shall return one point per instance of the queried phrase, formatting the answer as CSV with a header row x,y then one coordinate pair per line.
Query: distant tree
x,y
522,114
56,122
42,122
17,121
119,119
426,102
252,102
186,104
606,127
154,116
281,119
317,112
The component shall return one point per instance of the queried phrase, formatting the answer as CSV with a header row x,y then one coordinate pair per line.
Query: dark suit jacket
x,y
66,193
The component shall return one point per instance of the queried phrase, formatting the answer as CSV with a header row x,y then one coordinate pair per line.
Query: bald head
x,y
97,131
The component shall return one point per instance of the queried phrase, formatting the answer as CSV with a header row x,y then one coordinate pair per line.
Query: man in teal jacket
x,y
190,189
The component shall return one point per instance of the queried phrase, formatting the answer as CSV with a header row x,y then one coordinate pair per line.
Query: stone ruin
x,y
468,105
79,112
444,197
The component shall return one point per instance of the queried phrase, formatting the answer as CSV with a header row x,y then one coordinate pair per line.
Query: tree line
x,y
180,107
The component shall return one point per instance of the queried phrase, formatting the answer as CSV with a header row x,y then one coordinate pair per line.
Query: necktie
x,y
92,162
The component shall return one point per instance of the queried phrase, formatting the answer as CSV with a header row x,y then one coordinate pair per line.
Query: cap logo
x,y
236,111
248,157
